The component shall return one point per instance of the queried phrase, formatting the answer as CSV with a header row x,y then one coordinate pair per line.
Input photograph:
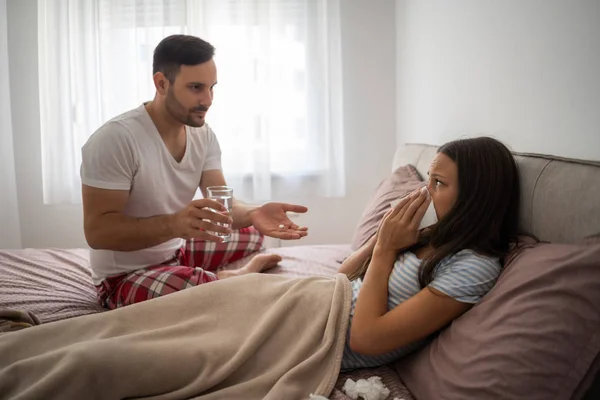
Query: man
x,y
140,172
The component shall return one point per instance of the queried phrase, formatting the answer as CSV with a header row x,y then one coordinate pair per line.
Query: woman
x,y
408,284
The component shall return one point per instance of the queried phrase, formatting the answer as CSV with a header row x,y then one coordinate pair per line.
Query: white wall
x,y
524,71
369,36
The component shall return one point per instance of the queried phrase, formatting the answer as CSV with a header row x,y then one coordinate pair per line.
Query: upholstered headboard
x,y
560,197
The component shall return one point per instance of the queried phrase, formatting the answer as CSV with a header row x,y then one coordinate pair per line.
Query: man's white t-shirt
x,y
128,153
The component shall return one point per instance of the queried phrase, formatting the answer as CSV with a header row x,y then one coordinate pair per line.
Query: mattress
x,y
56,284
51,283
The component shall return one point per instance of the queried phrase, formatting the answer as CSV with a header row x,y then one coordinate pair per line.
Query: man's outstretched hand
x,y
271,219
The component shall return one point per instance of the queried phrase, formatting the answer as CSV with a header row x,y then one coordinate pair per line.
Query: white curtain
x,y
278,105
10,231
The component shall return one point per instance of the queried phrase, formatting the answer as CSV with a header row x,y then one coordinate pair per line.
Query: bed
x,y
55,284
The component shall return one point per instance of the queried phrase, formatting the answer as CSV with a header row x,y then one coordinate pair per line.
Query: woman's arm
x,y
375,330
357,259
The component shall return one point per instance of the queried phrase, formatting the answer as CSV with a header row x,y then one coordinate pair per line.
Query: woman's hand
x,y
399,228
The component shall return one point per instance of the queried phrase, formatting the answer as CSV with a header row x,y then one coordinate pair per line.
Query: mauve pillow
x,y
592,239
534,336
589,389
401,182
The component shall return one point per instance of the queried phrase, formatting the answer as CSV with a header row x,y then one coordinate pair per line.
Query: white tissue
x,y
430,216
370,389
355,390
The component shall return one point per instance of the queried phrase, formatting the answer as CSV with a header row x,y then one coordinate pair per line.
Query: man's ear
x,y
161,83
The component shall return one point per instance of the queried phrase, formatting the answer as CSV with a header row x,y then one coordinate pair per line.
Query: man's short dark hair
x,y
176,50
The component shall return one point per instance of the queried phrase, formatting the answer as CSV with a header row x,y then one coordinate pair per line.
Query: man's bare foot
x,y
259,263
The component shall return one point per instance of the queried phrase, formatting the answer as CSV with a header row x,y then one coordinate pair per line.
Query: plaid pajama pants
x,y
193,265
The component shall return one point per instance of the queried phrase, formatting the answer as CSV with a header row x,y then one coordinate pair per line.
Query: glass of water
x,y
224,195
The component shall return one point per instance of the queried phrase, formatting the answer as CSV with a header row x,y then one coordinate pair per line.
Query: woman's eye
x,y
438,183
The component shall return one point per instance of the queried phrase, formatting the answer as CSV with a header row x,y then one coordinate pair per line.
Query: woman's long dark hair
x,y
485,217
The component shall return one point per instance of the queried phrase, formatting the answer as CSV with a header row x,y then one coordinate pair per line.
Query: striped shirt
x,y
465,276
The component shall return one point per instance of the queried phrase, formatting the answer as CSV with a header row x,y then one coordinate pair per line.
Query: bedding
x,y
51,283
15,320
55,284
283,338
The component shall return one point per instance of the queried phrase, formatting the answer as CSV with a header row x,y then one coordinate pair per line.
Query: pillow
x,y
589,388
592,239
535,335
401,182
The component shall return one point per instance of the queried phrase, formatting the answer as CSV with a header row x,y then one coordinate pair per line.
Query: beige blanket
x,y
251,337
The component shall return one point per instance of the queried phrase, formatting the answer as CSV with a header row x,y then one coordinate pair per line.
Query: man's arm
x,y
107,228
240,211
107,170
270,219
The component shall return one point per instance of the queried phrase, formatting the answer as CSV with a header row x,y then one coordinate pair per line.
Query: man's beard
x,y
180,113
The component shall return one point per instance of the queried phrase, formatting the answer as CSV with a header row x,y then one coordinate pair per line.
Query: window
x,y
277,110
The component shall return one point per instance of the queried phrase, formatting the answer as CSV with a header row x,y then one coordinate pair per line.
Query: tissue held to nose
x,y
430,216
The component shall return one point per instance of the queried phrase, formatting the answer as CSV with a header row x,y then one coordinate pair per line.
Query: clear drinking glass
x,y
224,195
